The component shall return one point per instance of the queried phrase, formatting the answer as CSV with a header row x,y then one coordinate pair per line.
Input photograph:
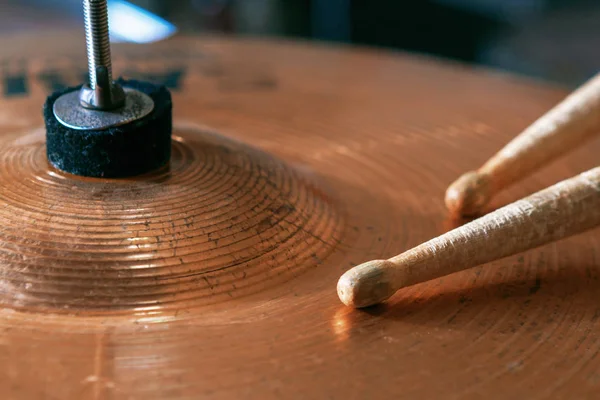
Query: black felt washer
x,y
126,150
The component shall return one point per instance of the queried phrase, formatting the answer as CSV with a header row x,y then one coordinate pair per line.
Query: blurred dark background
x,y
554,40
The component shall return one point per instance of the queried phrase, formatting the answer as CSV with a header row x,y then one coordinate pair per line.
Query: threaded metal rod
x,y
97,38
102,93
101,104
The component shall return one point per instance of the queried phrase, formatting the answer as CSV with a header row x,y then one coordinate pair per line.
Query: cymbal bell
x,y
215,276
222,221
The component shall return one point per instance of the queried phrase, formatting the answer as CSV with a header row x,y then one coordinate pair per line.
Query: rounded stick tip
x,y
468,195
367,284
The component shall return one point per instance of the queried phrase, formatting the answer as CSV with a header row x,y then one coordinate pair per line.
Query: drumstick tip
x,y
367,284
468,194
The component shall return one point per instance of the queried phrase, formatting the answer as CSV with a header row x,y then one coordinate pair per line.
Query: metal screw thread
x,y
97,38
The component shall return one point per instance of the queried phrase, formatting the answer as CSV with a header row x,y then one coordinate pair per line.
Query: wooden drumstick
x,y
562,210
561,129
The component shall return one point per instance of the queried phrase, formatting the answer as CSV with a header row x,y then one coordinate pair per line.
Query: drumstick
x,y
562,210
561,129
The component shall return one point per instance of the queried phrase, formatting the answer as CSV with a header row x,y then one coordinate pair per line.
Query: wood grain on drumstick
x,y
567,208
567,125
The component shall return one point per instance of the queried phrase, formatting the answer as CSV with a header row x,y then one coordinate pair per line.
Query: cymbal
x,y
215,276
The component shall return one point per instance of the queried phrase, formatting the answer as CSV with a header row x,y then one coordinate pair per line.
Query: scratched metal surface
x,y
215,278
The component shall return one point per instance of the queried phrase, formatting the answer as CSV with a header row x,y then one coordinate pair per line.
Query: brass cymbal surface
x,y
215,277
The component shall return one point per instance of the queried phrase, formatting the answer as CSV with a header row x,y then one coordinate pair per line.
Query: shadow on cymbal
x,y
523,294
